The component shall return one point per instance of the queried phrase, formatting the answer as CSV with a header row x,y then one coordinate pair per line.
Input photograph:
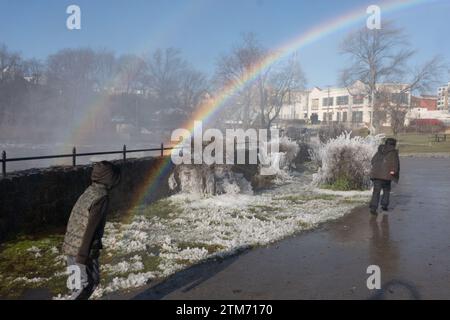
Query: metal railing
x,y
439,137
4,159
74,155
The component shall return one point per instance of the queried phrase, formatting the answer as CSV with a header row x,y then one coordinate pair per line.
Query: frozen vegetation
x,y
344,162
153,242
281,162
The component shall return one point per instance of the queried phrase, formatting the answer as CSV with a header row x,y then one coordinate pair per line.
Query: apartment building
x,y
443,102
351,105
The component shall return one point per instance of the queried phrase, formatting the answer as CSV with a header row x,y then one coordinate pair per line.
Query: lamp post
x,y
328,106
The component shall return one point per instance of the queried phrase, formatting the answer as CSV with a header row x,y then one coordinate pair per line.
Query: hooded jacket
x,y
87,219
385,160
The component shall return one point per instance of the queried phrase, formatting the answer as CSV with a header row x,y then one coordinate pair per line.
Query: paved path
x,y
411,244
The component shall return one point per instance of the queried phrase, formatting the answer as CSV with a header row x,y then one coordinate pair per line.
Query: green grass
x,y
262,208
352,201
163,209
16,260
420,143
300,199
342,184
211,248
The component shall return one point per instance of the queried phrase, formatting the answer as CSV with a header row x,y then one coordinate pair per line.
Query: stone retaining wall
x,y
37,200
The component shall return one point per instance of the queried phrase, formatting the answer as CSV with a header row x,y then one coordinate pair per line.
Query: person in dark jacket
x,y
83,239
385,169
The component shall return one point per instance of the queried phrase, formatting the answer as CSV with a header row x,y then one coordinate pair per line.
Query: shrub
x,y
341,184
291,149
344,162
280,162
331,131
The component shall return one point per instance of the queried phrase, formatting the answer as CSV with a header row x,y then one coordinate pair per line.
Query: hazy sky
x,y
204,29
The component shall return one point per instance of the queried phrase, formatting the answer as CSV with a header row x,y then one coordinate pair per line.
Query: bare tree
x,y
376,55
131,73
10,64
284,78
233,68
12,85
176,87
193,87
165,68
259,100
421,79
71,74
72,68
382,56
105,70
35,70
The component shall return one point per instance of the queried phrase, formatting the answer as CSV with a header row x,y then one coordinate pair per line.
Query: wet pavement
x,y
410,244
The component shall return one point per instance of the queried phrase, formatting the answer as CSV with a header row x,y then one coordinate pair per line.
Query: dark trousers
x,y
90,278
377,186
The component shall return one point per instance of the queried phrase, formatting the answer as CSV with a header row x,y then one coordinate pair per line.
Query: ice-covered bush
x,y
208,180
291,149
344,162
331,131
280,162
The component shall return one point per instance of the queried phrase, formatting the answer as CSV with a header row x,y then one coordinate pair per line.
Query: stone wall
x,y
39,200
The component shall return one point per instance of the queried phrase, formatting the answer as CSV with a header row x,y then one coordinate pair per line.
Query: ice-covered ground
x,y
155,241
154,246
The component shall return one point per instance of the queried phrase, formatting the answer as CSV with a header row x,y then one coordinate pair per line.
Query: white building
x,y
443,93
296,106
340,104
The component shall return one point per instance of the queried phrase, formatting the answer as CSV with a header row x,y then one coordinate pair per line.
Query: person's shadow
x,y
384,253
187,279
396,285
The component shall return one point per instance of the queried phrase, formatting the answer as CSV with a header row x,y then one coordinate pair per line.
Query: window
x,y
344,116
330,116
400,98
357,116
327,102
342,100
315,104
358,99
325,116
338,117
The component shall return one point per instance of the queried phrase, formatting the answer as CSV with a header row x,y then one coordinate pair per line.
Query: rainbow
x,y
77,135
209,108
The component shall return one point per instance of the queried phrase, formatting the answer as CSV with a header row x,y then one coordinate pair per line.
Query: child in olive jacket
x,y
82,242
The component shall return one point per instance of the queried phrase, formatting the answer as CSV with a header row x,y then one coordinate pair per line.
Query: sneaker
x,y
373,211
385,208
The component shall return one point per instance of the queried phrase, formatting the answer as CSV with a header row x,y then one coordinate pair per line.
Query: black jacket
x,y
386,160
